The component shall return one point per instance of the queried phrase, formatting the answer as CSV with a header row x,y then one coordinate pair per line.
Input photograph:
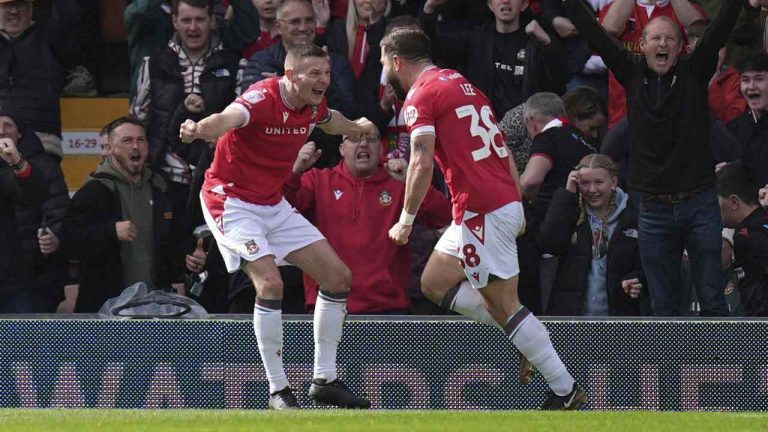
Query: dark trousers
x,y
665,229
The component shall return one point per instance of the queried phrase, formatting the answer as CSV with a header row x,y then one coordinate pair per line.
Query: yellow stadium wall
x,y
84,118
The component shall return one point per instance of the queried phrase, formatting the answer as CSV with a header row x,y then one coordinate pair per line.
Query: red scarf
x,y
359,52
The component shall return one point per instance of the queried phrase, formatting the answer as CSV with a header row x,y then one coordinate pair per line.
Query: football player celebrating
x,y
259,136
474,267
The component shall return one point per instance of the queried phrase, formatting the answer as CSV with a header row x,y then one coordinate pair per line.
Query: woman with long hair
x,y
587,111
593,230
357,36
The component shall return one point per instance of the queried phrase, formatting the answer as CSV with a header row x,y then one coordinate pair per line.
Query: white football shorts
x,y
246,232
485,243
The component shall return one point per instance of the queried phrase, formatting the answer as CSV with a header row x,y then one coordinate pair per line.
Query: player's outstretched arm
x,y
212,127
337,124
417,183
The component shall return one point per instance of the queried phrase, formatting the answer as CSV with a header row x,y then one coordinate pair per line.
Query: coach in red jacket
x,y
353,205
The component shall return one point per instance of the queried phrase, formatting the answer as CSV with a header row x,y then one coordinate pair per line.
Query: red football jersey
x,y
469,146
253,162
641,16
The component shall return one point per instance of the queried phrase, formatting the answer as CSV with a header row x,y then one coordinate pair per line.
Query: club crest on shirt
x,y
411,114
251,247
285,117
385,198
729,288
521,55
315,111
337,193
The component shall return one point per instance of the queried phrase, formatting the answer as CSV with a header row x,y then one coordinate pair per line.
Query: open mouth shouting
x,y
756,99
363,155
194,39
319,91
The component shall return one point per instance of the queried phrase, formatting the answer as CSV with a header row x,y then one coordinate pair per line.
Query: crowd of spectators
x,y
639,128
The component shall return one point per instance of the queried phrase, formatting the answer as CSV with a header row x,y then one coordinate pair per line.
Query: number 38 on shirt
x,y
487,132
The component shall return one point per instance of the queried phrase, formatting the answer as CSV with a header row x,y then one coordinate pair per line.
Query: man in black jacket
x,y
31,76
751,127
120,225
39,226
19,183
508,59
738,196
670,156
193,75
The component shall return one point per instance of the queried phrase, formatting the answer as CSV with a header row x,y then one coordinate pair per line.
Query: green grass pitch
x,y
371,421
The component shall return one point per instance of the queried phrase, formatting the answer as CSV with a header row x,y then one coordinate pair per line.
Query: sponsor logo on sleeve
x,y
254,96
411,114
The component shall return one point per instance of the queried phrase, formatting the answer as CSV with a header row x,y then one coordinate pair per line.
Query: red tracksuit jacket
x,y
355,215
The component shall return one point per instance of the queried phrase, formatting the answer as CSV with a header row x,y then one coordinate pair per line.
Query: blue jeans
x,y
665,229
19,302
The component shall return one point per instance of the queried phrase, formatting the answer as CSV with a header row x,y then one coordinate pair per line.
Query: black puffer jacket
x,y
30,73
218,84
15,272
50,273
752,133
561,236
53,210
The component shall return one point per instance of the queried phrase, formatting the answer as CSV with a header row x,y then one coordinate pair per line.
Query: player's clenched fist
x,y
188,131
362,129
399,233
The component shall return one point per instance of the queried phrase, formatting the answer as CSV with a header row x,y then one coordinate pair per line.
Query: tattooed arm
x,y
420,170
